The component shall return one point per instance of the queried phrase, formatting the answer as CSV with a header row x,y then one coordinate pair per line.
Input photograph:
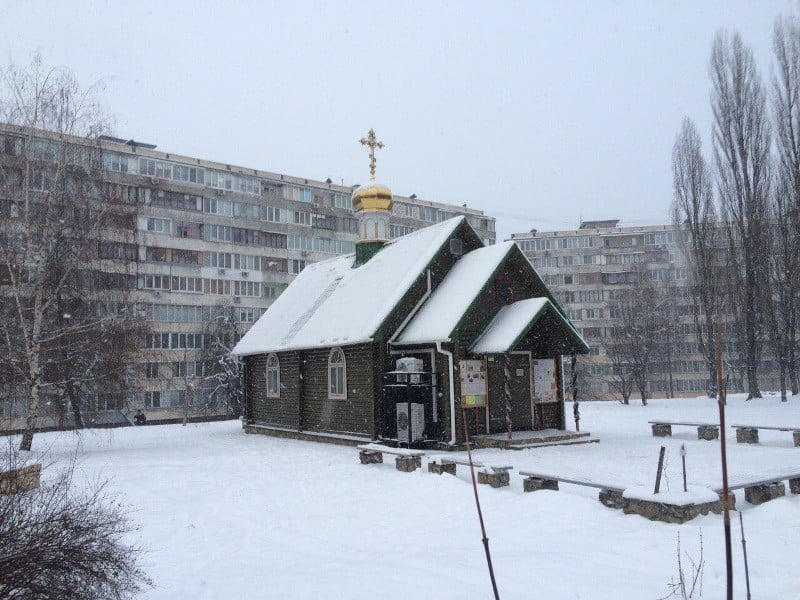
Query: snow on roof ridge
x,y
507,324
455,294
331,303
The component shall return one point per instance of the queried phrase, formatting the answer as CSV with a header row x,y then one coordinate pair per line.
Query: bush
x,y
59,542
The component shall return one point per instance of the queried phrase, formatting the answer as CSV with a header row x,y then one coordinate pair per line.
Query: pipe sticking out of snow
x,y
449,356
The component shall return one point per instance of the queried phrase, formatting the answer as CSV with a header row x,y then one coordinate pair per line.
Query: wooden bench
x,y
610,495
405,460
493,475
758,491
748,434
705,431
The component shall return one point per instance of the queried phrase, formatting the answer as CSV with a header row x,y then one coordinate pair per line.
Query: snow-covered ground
x,y
229,515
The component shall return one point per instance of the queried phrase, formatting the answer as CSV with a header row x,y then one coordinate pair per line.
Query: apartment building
x,y
195,242
590,267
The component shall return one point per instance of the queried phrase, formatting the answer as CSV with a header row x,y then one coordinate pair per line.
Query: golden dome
x,y
373,196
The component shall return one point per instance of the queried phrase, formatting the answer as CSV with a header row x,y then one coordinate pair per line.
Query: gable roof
x,y
513,321
330,303
442,312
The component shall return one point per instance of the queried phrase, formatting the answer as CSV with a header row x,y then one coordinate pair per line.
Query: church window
x,y
337,374
273,377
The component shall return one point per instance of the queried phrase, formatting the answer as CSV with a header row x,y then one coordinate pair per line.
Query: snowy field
x,y
223,514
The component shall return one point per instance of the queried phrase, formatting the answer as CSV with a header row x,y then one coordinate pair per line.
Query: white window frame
x,y
273,376
337,384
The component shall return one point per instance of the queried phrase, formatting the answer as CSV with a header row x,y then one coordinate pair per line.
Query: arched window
x,y
273,377
337,374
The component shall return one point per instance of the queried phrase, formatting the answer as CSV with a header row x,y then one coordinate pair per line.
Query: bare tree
x,y
52,218
693,212
56,542
741,150
786,197
635,336
223,379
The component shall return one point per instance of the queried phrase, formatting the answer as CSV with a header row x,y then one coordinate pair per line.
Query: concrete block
x,y
439,468
794,486
370,457
747,435
495,480
662,430
708,432
408,463
758,494
796,436
532,484
611,499
20,480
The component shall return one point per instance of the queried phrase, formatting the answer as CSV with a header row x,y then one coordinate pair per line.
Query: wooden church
x,y
409,340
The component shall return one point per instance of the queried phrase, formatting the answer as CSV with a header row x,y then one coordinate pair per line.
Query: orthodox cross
x,y
373,143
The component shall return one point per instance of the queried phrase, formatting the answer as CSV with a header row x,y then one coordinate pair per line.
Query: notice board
x,y
473,383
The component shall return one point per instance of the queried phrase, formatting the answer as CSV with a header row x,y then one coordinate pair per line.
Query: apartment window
x,y
300,194
217,259
189,230
295,265
152,399
302,217
247,315
273,377
157,225
272,214
342,201
592,313
151,370
154,282
337,374
187,284
396,231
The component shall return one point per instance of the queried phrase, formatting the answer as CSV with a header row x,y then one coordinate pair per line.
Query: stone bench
x,y
705,431
493,475
610,495
748,434
763,490
405,460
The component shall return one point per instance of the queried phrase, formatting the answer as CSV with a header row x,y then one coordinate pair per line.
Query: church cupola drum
x,y
372,204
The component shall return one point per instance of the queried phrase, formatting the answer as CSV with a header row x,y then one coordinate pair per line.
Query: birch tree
x,y
741,140
52,218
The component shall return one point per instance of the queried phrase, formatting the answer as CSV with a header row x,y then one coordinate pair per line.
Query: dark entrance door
x,y
519,370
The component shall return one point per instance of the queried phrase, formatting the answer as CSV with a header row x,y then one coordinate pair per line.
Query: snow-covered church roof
x,y
440,315
330,303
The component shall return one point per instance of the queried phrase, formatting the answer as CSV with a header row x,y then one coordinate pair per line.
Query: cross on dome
x,y
373,143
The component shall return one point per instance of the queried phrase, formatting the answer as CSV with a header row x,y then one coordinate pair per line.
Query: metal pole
x,y
576,413
726,515
744,552
507,392
478,505
660,469
683,460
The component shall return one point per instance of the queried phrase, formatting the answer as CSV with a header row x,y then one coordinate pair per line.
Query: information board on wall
x,y
473,383
544,380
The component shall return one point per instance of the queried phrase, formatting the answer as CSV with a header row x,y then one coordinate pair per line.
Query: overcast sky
x,y
539,113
